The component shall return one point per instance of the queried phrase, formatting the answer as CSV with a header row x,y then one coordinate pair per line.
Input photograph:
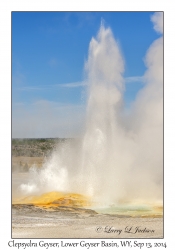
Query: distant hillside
x,y
35,147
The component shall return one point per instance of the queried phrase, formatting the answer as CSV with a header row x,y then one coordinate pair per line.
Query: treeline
x,y
35,147
17,141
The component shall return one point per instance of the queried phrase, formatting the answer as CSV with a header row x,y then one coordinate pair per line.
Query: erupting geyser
x,y
119,158
105,86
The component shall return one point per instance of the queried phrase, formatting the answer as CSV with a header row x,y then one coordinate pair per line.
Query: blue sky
x,y
49,50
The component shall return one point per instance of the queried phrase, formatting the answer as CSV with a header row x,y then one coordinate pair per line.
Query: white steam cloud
x,y
157,20
118,158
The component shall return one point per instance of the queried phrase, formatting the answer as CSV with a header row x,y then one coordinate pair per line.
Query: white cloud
x,y
53,62
73,84
128,79
18,79
134,79
52,86
157,20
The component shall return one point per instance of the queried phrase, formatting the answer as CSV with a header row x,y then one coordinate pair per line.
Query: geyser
x,y
119,158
